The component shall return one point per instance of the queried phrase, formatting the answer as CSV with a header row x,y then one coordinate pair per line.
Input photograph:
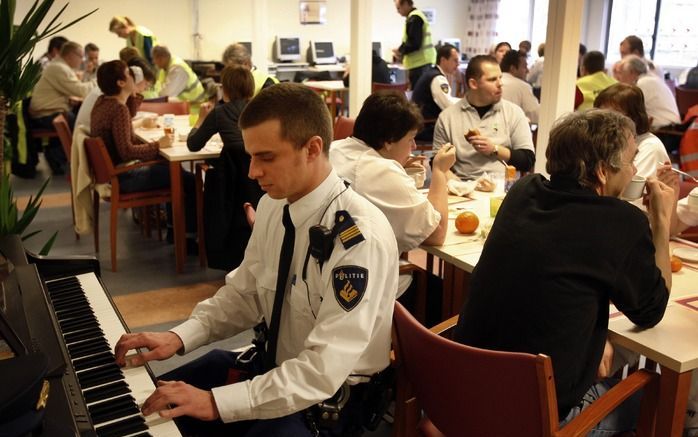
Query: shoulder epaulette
x,y
347,231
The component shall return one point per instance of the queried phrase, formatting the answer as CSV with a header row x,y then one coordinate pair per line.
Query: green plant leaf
x,y
47,247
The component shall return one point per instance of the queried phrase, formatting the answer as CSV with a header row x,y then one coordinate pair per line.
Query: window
x,y
675,33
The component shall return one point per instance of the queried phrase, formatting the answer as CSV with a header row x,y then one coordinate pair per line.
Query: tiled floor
x,y
146,289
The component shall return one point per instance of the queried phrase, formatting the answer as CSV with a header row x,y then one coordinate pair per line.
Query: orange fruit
x,y
676,263
467,222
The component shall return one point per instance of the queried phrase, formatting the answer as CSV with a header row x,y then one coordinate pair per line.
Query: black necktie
x,y
281,281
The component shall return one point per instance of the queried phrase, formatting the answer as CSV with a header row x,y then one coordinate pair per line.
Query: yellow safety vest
x,y
140,35
260,79
194,92
591,85
426,55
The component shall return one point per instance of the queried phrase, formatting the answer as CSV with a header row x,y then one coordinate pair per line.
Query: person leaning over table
x,y
138,37
175,77
578,247
148,89
503,130
111,121
333,318
379,149
227,186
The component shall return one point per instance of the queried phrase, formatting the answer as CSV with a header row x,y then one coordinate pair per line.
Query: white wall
x,y
226,21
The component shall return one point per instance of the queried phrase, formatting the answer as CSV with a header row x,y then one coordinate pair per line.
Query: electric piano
x,y
61,308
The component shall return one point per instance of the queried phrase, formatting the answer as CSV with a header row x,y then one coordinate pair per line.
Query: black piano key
x,y
113,409
100,375
82,334
73,311
77,298
123,427
93,361
70,325
106,391
83,348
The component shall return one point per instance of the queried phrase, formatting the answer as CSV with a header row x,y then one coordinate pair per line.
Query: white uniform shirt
x,y
321,345
385,184
175,81
84,116
687,214
441,91
650,152
520,93
535,73
505,124
659,101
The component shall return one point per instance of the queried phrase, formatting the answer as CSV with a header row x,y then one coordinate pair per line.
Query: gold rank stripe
x,y
349,233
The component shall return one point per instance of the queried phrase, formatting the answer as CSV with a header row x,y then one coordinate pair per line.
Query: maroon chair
x,y
375,86
343,127
685,187
104,172
65,135
461,389
685,98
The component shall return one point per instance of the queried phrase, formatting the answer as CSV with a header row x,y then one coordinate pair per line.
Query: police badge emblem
x,y
444,88
349,283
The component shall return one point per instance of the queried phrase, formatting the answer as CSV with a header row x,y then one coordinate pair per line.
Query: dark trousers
x,y
212,370
53,152
156,177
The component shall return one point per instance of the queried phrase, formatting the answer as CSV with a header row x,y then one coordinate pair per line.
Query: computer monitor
x,y
287,49
376,46
248,46
455,42
322,52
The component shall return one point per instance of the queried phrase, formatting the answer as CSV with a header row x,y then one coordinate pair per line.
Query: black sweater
x,y
556,254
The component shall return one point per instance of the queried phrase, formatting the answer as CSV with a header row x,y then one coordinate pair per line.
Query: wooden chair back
x,y
343,127
160,108
65,135
685,98
461,388
100,162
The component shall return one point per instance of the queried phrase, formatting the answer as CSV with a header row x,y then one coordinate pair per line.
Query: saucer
x,y
686,253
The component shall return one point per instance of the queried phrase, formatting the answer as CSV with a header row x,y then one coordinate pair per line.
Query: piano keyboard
x,y
91,328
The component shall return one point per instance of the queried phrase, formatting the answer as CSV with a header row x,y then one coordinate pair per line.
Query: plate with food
x,y
686,253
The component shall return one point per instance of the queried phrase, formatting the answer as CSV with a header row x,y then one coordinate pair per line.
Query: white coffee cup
x,y
418,173
635,188
693,199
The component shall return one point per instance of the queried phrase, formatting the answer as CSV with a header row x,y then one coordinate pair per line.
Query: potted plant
x,y
19,72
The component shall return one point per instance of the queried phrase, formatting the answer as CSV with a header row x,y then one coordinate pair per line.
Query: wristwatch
x,y
495,152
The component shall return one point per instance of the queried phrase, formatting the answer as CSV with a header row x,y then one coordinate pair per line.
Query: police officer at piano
x,y
320,269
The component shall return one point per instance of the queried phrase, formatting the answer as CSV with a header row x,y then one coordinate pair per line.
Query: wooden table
x,y
336,89
177,154
459,252
673,344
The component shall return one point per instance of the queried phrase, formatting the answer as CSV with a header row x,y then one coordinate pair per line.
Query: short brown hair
x,y
582,141
237,82
148,73
635,44
236,54
593,62
128,53
474,70
385,117
628,100
300,111
108,74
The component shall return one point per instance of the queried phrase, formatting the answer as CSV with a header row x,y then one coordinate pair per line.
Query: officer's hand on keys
x,y
160,345
185,400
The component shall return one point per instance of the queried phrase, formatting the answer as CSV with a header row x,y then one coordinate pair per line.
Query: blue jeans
x,y
622,419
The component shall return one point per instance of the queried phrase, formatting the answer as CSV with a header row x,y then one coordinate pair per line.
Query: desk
x,y
177,154
334,87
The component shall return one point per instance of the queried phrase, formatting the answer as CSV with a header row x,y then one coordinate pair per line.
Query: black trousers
x,y
213,369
